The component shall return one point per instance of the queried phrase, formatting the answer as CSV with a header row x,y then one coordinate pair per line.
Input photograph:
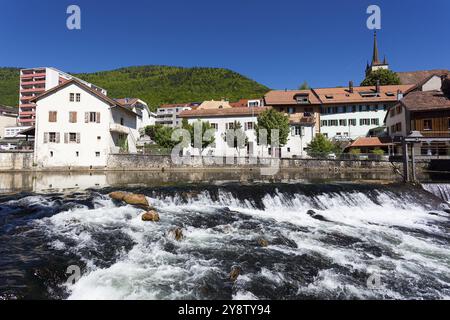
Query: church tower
x,y
376,63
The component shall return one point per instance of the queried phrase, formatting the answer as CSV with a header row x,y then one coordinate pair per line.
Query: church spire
x,y
375,59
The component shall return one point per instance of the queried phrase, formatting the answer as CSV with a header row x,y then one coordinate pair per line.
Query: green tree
x,y
239,140
206,140
304,86
377,152
151,130
386,77
273,120
320,146
163,137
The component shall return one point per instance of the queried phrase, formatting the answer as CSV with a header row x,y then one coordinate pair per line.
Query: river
x,y
367,237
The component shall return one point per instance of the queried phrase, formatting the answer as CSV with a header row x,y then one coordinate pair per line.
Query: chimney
x,y
399,95
378,86
350,86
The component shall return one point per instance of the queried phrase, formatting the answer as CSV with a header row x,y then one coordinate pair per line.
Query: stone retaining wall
x,y
16,160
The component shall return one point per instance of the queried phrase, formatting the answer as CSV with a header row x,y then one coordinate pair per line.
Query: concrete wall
x,y
16,160
150,162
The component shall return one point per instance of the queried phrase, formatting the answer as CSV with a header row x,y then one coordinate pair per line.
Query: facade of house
x,y
145,116
36,81
427,112
168,114
223,120
248,103
77,126
350,113
8,119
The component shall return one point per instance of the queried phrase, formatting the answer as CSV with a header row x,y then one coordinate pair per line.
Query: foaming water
x,y
397,235
441,190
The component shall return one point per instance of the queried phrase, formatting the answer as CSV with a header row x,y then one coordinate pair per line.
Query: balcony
x,y
27,120
27,113
435,134
115,127
27,105
32,75
32,83
37,90
302,118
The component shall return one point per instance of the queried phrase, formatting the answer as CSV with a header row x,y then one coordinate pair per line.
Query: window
x,y
51,154
427,125
78,97
97,154
249,126
288,149
352,122
230,126
343,123
77,154
297,130
364,122
92,117
72,117
291,110
215,126
121,121
375,122
398,109
99,138
72,137
51,137
72,97
398,127
324,123
333,123
52,115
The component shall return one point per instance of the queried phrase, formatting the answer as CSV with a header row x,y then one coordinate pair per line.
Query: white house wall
x,y
94,137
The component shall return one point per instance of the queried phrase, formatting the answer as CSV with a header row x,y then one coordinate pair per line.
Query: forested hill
x,y
156,84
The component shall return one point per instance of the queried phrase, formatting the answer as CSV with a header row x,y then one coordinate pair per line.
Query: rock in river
x,y
151,215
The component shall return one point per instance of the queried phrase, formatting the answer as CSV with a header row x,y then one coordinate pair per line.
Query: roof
x,y
287,97
178,105
239,104
127,101
417,77
213,104
371,142
227,112
8,109
96,93
343,95
426,101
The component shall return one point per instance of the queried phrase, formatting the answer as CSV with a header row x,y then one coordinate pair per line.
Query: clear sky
x,y
278,43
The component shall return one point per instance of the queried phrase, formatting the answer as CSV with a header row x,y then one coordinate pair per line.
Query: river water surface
x,y
361,241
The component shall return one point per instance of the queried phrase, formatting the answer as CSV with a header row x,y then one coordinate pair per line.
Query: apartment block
x,y
36,81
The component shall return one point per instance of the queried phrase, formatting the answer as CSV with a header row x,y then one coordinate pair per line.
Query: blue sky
x,y
278,43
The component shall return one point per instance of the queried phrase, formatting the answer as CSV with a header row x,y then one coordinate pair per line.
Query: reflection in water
x,y
71,181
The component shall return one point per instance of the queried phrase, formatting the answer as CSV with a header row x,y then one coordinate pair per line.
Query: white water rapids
x,y
383,235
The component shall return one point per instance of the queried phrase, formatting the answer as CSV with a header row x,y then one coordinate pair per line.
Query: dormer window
x,y
369,94
329,96
302,99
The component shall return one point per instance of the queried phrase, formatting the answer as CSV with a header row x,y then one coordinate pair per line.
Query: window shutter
x,y
86,117
57,137
66,137
98,117
78,137
302,131
45,137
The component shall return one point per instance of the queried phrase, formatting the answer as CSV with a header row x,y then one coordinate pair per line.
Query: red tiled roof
x,y
371,142
416,77
287,97
343,95
222,112
426,100
239,104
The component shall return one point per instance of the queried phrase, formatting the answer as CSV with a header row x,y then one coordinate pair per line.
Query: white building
x,y
36,81
77,126
168,114
8,119
222,120
350,113
145,116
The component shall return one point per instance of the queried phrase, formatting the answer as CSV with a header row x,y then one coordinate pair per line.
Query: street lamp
x,y
413,138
